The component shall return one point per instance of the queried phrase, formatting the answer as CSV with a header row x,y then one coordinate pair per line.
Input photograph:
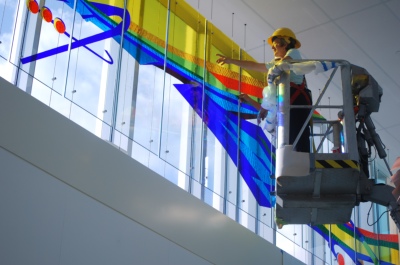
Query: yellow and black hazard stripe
x,y
337,164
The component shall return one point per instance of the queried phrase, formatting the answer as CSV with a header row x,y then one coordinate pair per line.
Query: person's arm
x,y
262,113
249,65
246,98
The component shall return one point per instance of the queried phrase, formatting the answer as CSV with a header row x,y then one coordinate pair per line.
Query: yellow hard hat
x,y
284,32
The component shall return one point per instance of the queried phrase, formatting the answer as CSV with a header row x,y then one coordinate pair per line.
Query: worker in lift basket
x,y
285,47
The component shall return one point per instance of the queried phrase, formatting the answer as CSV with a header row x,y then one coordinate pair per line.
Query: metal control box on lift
x,y
324,187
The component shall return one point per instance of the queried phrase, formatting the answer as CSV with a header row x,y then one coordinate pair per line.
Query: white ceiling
x,y
364,32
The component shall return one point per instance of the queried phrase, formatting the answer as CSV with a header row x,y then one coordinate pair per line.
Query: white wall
x,y
45,221
68,197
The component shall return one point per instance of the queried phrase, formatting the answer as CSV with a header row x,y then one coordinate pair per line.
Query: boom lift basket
x,y
323,187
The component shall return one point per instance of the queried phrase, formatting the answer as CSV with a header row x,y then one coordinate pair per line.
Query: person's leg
x,y
297,119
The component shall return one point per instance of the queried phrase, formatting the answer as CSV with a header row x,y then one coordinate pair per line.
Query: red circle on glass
x,y
59,25
46,14
33,6
340,259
